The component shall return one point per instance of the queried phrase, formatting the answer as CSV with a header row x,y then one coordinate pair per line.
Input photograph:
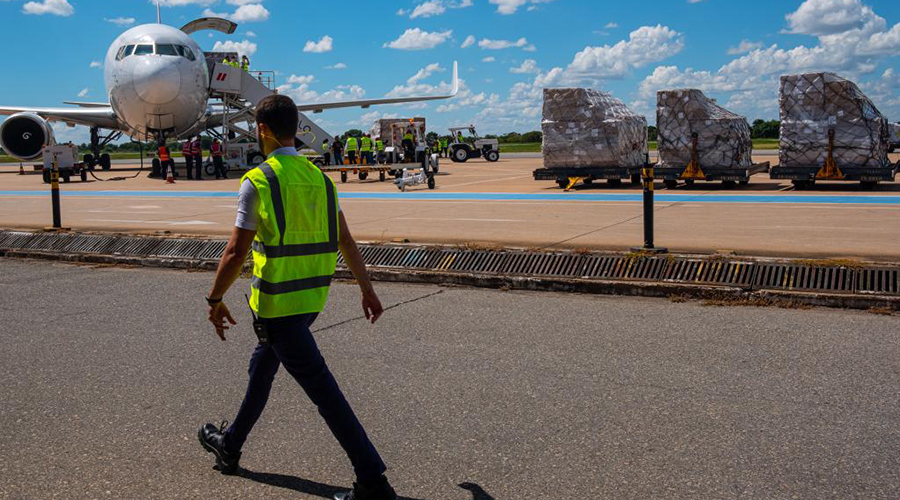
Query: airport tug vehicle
x,y
66,158
461,151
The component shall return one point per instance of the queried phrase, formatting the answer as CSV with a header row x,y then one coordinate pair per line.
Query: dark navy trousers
x,y
292,345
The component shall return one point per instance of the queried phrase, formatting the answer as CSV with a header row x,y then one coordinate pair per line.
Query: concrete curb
x,y
719,295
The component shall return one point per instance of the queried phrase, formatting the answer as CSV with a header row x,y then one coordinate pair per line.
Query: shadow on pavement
x,y
478,492
306,486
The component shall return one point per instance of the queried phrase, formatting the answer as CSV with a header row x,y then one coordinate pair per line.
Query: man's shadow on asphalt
x,y
323,490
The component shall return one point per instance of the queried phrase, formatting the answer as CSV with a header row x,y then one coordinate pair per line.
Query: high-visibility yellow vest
x,y
245,66
351,144
366,144
296,243
379,145
407,137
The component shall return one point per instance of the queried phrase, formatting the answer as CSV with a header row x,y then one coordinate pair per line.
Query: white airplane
x,y
158,84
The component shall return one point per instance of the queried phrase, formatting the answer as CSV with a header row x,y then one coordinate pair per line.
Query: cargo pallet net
x,y
591,128
814,104
723,137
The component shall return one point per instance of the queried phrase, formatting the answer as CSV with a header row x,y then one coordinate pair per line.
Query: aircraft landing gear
x,y
96,157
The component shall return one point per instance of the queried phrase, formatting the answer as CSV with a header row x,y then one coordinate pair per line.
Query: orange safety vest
x,y
163,154
195,148
216,149
186,148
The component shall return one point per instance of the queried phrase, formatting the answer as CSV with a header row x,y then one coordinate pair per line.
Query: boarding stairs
x,y
240,91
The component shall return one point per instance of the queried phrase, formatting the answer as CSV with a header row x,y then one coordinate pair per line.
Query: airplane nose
x,y
156,80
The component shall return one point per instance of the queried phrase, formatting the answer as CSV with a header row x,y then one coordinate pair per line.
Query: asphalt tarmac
x,y
469,395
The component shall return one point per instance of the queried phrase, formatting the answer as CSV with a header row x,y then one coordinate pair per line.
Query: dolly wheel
x,y
344,176
381,176
670,183
430,182
728,184
562,183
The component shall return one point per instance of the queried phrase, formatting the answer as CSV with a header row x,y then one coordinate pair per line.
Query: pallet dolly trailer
x,y
805,177
729,176
567,177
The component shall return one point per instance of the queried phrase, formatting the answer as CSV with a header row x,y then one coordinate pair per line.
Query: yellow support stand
x,y
830,170
573,181
693,170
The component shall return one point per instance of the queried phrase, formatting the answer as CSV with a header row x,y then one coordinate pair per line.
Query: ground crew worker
x,y
245,63
459,136
291,278
365,149
379,150
218,164
188,159
165,162
337,151
352,147
326,155
444,147
408,147
197,154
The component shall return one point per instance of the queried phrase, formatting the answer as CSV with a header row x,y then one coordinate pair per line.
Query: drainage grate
x,y
733,273
881,281
711,272
804,278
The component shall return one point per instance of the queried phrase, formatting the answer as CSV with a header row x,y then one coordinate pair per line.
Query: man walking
x,y
295,235
218,152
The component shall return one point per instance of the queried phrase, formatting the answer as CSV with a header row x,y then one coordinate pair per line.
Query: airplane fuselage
x,y
157,81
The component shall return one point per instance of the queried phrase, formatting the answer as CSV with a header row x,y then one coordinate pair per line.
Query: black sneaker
x,y
380,490
212,439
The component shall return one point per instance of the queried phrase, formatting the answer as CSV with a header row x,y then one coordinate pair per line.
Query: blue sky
x,y
508,51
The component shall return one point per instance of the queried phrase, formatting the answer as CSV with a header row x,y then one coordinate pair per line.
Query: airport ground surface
x,y
108,373
500,203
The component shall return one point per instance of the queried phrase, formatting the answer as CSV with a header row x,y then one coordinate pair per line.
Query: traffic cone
x,y
170,178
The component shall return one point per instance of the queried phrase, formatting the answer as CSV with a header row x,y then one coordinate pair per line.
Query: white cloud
x,y
610,25
826,17
54,7
181,3
402,12
323,45
96,64
242,2
83,92
527,66
489,44
246,13
744,47
339,65
416,39
251,34
489,59
468,42
244,48
300,80
507,7
428,9
121,21
424,73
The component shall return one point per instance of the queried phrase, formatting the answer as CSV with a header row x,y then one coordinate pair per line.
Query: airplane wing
x,y
103,117
317,108
87,104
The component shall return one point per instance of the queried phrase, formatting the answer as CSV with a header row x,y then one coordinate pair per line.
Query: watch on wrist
x,y
213,302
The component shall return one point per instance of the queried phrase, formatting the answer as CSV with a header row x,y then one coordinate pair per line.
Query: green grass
x,y
535,147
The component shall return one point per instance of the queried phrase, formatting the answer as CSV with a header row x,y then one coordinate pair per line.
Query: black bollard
x,y
54,195
647,180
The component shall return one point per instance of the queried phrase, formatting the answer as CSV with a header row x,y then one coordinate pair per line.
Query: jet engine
x,y
24,136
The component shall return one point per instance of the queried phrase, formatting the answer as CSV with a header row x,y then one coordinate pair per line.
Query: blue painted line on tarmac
x,y
439,196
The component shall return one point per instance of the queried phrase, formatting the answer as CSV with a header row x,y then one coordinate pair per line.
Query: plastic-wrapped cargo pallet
x,y
814,103
591,128
382,128
723,138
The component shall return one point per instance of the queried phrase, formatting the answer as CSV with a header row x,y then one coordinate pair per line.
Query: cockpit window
x,y
143,50
128,51
166,50
185,52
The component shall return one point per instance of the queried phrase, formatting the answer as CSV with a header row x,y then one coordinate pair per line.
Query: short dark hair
x,y
279,114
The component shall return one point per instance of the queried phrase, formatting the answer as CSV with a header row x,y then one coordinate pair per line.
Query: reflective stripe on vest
x,y
296,244
351,144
